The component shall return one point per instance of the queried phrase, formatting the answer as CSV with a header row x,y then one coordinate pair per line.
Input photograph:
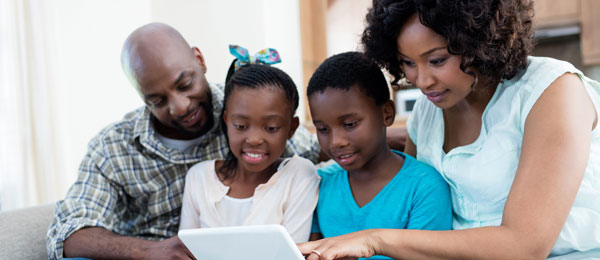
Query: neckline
x,y
350,196
482,132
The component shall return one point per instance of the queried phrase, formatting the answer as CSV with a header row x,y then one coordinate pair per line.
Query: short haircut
x,y
344,70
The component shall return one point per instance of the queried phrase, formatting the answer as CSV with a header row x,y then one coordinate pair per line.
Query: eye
x,y
405,62
186,86
155,102
350,125
437,62
272,129
322,130
240,126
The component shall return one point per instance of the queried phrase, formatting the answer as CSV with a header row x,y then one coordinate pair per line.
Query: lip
x,y
436,96
254,157
192,119
345,158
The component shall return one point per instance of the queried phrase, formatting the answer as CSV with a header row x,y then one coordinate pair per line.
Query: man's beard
x,y
210,120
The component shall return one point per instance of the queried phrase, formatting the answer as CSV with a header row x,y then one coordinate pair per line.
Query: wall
x,y
254,25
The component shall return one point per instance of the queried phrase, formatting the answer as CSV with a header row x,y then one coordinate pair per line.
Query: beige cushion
x,y
23,232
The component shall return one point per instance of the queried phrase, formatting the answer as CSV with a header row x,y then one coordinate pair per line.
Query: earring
x,y
474,82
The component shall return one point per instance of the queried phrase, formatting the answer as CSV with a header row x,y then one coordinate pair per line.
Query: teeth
x,y
254,155
346,156
191,118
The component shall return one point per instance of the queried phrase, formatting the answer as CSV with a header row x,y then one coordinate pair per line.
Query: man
x,y
127,198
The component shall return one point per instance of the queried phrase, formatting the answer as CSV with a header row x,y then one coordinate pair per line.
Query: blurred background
x,y
61,80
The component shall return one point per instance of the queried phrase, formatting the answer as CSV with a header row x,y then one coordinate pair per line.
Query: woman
x,y
515,137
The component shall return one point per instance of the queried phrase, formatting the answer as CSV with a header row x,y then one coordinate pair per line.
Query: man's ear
x,y
225,115
293,126
389,112
199,58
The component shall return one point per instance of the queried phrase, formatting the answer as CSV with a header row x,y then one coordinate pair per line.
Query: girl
x,y
516,137
254,185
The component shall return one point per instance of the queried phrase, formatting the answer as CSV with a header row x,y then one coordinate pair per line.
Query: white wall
x,y
254,25
90,89
345,23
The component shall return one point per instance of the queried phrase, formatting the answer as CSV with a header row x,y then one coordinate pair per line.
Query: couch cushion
x,y
23,232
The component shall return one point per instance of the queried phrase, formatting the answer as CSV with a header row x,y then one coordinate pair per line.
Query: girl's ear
x,y
293,126
389,112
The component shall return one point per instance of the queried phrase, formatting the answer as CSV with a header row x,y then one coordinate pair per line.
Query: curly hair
x,y
493,36
342,71
253,76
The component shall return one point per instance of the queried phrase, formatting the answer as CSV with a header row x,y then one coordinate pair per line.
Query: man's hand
x,y
99,243
171,248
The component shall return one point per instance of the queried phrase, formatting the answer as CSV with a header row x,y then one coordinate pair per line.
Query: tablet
x,y
265,242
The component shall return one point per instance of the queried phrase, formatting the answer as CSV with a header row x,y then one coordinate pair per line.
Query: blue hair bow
x,y
267,56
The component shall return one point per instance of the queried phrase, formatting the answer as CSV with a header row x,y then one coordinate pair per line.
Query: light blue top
x,y
416,198
480,174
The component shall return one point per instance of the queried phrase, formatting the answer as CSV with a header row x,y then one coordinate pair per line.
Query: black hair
x,y
493,36
253,76
344,70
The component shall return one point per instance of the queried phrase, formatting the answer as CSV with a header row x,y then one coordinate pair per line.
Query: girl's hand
x,y
349,246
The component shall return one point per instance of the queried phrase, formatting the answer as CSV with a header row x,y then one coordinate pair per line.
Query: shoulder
x,y
421,171
120,133
302,168
332,171
200,168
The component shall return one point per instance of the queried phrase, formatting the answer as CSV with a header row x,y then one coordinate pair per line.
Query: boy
x,y
370,185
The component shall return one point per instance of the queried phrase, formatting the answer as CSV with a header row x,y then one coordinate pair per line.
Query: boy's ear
x,y
389,112
293,126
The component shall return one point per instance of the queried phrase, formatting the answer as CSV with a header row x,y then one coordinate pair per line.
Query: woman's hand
x,y
349,246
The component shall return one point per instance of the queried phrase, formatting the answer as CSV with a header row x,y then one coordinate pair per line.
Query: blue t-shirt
x,y
416,198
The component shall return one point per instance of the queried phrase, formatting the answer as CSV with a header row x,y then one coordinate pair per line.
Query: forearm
x,y
479,243
99,243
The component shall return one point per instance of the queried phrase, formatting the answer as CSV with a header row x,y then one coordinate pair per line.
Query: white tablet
x,y
265,242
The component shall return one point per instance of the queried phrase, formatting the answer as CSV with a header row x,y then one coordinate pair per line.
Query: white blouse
x,y
288,198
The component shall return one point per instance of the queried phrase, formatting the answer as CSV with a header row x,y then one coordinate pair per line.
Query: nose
x,y
254,137
338,139
424,79
178,106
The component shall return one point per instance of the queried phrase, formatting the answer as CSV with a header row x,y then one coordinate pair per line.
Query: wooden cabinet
x,y
553,13
585,14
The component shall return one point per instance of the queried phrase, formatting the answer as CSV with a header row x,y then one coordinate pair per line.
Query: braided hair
x,y
253,76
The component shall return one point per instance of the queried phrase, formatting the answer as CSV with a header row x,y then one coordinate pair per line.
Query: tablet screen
x,y
266,242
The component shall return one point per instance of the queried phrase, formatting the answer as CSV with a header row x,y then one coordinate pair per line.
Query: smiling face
x,y
350,126
259,122
169,76
425,60
178,95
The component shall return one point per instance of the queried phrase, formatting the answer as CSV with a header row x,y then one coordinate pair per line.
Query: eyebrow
x,y
342,117
427,52
181,76
264,117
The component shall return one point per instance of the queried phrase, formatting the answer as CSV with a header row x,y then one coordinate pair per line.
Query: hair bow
x,y
267,56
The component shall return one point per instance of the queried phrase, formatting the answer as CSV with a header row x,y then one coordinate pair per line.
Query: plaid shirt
x,y
131,184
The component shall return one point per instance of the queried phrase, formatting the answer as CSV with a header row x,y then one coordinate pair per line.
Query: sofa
x,y
23,232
